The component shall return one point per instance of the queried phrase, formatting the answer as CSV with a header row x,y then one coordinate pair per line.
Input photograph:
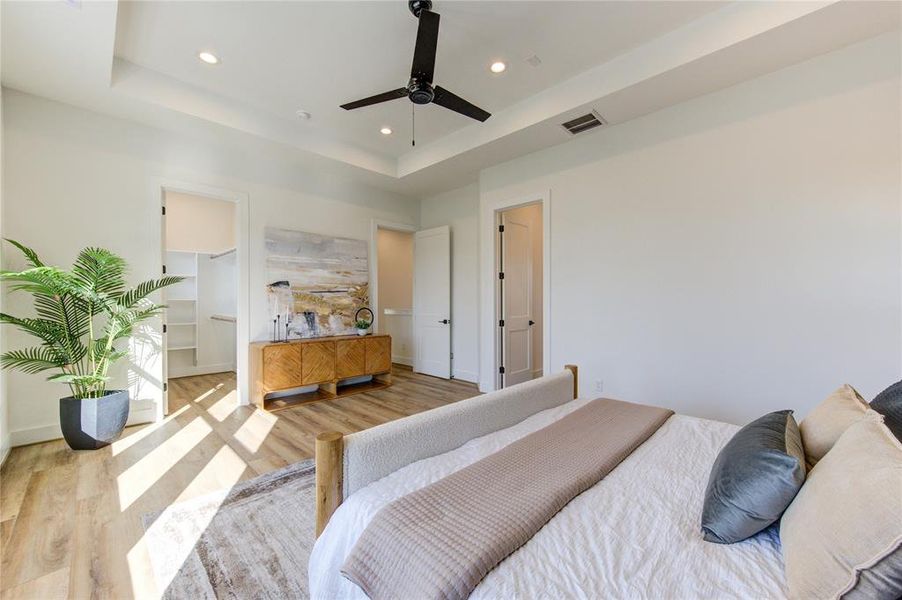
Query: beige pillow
x,y
842,534
828,420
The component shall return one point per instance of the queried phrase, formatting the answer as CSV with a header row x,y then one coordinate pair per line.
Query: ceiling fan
x,y
420,89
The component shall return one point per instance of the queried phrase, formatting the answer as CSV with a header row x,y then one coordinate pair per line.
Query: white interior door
x,y
516,299
432,302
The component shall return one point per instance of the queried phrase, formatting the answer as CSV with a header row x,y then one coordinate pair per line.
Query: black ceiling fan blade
x,y
454,102
427,42
383,97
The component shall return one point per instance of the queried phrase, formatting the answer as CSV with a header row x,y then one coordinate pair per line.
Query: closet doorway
x,y
392,288
201,322
520,292
410,291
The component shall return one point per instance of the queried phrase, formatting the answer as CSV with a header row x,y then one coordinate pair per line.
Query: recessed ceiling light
x,y
385,131
498,67
208,57
303,114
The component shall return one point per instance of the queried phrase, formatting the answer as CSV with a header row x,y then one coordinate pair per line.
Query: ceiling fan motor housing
x,y
419,91
416,6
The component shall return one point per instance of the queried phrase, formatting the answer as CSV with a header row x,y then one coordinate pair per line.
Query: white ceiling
x,y
138,60
283,56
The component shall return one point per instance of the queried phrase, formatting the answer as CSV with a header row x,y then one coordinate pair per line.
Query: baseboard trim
x,y
468,376
199,370
35,435
46,433
402,360
537,373
5,455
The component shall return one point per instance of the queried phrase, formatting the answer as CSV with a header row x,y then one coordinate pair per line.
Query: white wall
x,y
395,289
458,209
73,178
395,250
216,284
732,255
199,224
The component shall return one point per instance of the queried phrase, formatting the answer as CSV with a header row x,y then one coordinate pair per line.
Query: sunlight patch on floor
x,y
141,476
207,393
214,483
253,431
222,472
140,573
123,444
224,406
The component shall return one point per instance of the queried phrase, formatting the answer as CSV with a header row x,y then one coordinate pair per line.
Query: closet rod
x,y
212,256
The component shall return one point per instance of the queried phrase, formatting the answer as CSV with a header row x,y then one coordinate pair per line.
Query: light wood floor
x,y
71,522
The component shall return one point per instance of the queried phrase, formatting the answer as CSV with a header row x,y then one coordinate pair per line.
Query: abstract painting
x,y
315,283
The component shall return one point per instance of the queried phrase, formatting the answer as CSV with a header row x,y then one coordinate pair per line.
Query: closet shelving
x,y
182,301
200,318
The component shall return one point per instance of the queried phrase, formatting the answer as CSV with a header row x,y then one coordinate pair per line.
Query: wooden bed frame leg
x,y
329,467
575,370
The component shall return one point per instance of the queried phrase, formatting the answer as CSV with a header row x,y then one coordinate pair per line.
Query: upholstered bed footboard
x,y
345,464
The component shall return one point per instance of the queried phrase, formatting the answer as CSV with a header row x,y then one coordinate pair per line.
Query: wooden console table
x,y
280,366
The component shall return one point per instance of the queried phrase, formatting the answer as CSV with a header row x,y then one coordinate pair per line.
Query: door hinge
x,y
501,370
164,211
452,355
165,387
501,323
501,229
164,327
501,275
164,269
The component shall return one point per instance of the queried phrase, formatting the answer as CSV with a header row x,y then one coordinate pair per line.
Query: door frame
x,y
242,247
375,226
490,293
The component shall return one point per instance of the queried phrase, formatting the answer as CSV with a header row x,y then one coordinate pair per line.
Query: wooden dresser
x,y
280,366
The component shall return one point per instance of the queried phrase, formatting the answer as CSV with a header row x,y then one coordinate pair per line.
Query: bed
x,y
634,534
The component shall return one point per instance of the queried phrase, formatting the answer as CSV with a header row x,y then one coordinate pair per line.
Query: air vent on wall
x,y
584,123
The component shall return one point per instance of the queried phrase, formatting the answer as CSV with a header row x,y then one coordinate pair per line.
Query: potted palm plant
x,y
82,317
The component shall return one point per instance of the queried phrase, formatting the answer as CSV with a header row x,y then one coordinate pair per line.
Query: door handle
x,y
531,322
445,321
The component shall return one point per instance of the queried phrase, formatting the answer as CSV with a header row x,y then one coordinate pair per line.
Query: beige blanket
x,y
441,540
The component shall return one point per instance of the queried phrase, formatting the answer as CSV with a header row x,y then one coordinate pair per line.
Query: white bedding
x,y
635,534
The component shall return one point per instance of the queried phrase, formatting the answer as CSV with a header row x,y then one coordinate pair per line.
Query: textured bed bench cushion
x,y
371,454
441,540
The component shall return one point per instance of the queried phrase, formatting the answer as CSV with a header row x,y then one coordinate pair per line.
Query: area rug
x,y
252,541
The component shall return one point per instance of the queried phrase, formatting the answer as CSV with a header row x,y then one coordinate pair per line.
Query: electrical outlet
x,y
599,386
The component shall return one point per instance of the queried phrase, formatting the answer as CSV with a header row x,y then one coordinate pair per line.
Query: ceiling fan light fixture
x,y
497,67
385,131
208,57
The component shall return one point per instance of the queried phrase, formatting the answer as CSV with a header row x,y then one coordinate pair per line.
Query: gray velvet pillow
x,y
754,478
889,404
